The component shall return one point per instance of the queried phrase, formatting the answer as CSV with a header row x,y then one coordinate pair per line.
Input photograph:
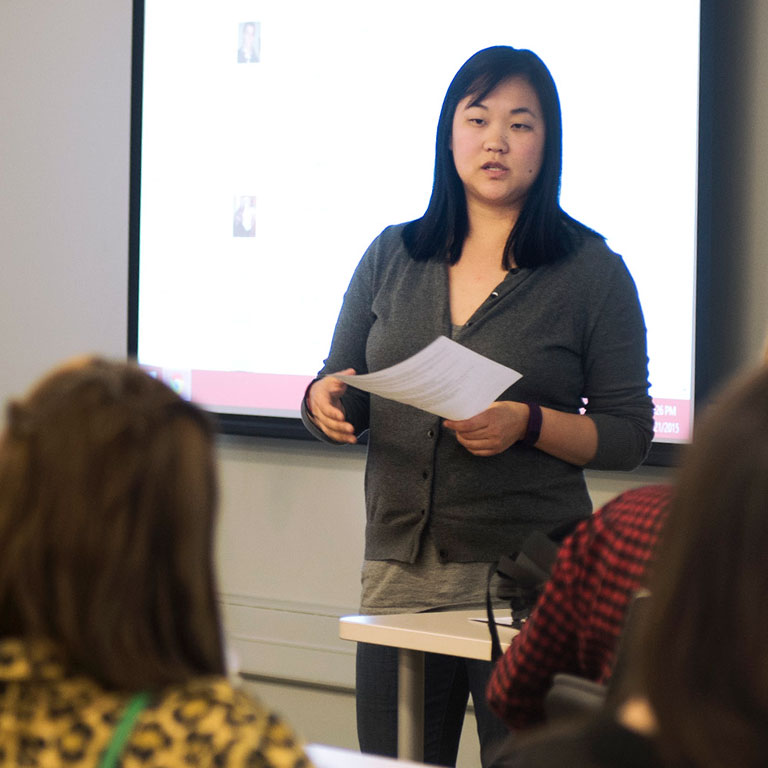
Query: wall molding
x,y
288,641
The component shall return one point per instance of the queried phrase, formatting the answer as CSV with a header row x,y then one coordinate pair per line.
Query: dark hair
x,y
543,232
107,501
702,657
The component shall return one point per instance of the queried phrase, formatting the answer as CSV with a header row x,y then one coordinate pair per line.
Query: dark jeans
x,y
448,681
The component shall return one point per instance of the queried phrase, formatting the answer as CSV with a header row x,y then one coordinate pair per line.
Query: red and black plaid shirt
x,y
576,623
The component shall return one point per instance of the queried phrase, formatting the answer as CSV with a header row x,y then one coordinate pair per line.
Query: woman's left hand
x,y
492,431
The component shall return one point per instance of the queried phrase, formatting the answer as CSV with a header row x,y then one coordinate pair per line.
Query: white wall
x,y
64,91
290,536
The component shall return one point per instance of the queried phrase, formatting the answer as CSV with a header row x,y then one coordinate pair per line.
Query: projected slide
x,y
279,138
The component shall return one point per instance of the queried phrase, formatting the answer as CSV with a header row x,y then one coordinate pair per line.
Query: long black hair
x,y
543,233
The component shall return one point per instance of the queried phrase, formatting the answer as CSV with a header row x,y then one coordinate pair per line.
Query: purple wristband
x,y
533,430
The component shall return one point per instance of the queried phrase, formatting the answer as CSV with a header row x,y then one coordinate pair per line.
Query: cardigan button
x,y
425,474
430,433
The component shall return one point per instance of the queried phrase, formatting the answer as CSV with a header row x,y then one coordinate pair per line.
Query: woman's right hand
x,y
326,410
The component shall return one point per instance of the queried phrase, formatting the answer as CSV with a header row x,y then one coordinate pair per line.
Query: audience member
x,y
111,649
576,623
697,686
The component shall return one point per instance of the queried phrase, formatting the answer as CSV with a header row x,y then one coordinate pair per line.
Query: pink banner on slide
x,y
672,420
265,392
268,391
260,392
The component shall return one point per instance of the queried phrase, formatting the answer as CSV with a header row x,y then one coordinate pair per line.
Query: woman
x,y
248,51
698,674
110,639
496,264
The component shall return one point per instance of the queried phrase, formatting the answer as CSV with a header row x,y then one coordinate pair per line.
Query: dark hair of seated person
x,y
107,499
701,659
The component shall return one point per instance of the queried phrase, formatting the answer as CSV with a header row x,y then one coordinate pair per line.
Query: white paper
x,y
502,621
445,378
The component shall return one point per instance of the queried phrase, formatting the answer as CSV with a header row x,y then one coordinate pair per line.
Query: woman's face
x,y
498,145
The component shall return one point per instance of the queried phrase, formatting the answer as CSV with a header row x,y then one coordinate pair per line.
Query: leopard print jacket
x,y
49,718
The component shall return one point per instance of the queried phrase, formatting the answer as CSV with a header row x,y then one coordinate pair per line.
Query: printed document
x,y
445,378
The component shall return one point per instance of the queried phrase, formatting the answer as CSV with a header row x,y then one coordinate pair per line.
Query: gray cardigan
x,y
574,330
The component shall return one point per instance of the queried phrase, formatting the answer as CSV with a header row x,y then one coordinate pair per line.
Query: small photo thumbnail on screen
x,y
249,42
244,223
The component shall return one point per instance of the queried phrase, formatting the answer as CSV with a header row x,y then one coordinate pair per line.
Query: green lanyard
x,y
132,710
